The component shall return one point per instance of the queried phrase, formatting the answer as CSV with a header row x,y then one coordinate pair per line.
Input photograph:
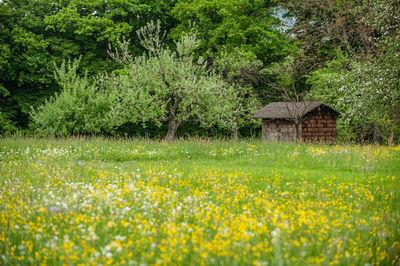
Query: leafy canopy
x,y
249,25
81,108
168,86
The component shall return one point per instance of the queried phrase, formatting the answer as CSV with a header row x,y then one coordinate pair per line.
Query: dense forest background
x,y
196,67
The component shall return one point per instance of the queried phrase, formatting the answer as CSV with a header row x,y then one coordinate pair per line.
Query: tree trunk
x,y
172,127
376,135
390,139
173,123
235,134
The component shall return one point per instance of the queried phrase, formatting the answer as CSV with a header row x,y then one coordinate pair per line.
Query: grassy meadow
x,y
97,201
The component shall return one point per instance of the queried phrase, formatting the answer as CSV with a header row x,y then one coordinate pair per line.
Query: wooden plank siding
x,y
318,121
319,125
278,129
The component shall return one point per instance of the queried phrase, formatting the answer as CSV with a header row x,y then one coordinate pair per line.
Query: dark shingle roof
x,y
288,110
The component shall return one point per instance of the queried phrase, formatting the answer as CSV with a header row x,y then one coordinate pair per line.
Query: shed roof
x,y
288,110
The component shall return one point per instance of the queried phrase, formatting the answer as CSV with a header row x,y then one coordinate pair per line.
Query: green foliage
x,y
165,85
7,126
80,109
198,202
366,93
242,70
35,34
325,79
366,89
249,25
238,37
238,66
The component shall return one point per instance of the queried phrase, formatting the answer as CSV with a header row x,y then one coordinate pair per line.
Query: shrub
x,y
79,109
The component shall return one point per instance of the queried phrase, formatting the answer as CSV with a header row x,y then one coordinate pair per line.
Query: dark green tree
x,y
249,25
36,34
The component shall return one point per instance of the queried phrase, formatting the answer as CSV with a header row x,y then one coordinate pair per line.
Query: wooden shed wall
x,y
319,125
278,129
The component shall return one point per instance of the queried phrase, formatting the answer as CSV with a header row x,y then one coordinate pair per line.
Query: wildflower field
x,y
97,201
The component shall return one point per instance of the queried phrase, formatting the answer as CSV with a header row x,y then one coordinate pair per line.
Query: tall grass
x,y
138,201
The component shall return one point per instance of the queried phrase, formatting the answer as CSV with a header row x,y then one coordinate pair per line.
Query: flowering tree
x,y
168,86
366,89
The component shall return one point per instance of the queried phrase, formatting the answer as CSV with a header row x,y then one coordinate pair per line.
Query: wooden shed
x,y
315,121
